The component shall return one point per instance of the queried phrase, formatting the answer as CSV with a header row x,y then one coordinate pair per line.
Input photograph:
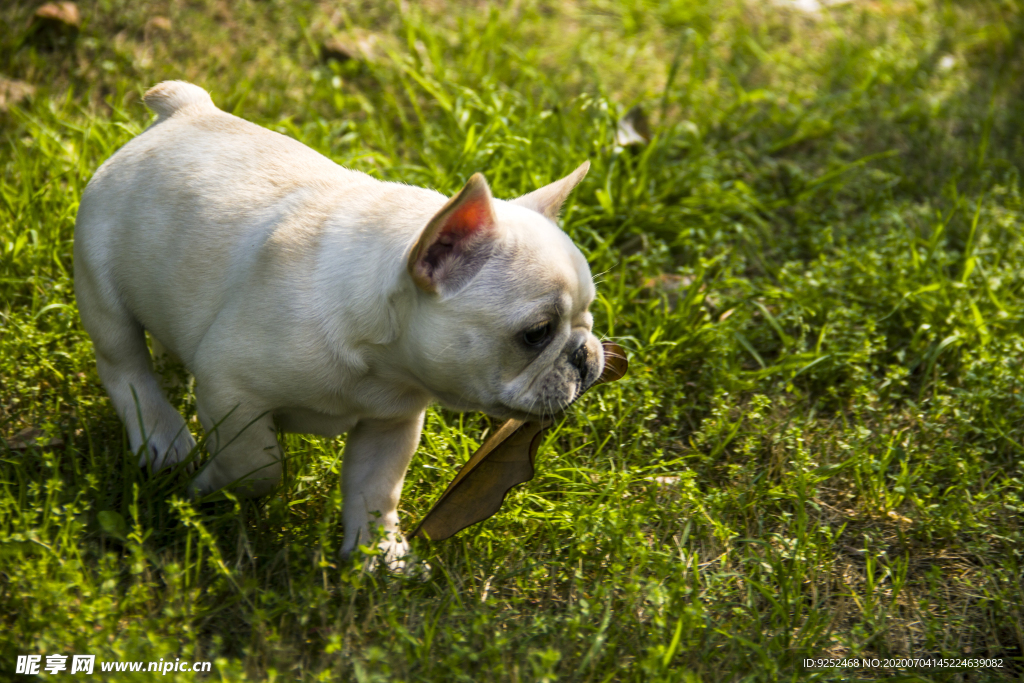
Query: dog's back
x,y
175,220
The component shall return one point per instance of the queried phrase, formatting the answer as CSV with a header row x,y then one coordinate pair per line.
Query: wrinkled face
x,y
517,341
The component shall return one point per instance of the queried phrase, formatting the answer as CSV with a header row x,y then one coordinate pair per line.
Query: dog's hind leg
x,y
243,440
125,368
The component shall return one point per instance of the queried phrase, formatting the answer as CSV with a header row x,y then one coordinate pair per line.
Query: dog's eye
x,y
537,335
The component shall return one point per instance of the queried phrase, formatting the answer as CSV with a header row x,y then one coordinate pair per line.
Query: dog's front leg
x,y
377,454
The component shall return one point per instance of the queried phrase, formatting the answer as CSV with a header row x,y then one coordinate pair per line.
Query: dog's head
x,y
502,323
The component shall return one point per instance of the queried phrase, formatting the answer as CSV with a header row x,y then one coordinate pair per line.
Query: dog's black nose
x,y
579,361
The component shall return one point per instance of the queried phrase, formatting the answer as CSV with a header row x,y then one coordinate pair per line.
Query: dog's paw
x,y
399,559
412,567
393,555
165,449
393,550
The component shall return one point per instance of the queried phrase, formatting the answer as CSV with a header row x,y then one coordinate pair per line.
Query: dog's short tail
x,y
171,97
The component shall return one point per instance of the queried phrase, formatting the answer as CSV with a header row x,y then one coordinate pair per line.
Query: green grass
x,y
817,266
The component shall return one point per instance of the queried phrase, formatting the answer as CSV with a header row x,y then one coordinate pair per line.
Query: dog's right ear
x,y
456,241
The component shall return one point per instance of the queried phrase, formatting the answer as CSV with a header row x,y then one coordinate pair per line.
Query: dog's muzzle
x,y
578,359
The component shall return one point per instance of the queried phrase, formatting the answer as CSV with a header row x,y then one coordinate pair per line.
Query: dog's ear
x,y
456,241
548,199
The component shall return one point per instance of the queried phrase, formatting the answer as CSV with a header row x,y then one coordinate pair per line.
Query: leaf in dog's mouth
x,y
504,460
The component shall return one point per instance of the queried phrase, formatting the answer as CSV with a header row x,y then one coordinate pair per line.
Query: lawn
x,y
815,260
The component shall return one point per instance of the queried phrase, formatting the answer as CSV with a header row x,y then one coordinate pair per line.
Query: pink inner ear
x,y
468,219
472,216
447,252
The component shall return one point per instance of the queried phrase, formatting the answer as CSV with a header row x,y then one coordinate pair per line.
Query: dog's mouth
x,y
543,409
613,367
546,408
536,408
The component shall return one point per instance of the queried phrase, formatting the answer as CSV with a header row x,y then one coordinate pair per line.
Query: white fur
x,y
281,281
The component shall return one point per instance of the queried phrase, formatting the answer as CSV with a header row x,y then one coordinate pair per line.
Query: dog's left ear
x,y
548,200
456,242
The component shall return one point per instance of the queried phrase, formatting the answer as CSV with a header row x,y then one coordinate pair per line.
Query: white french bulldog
x,y
315,298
